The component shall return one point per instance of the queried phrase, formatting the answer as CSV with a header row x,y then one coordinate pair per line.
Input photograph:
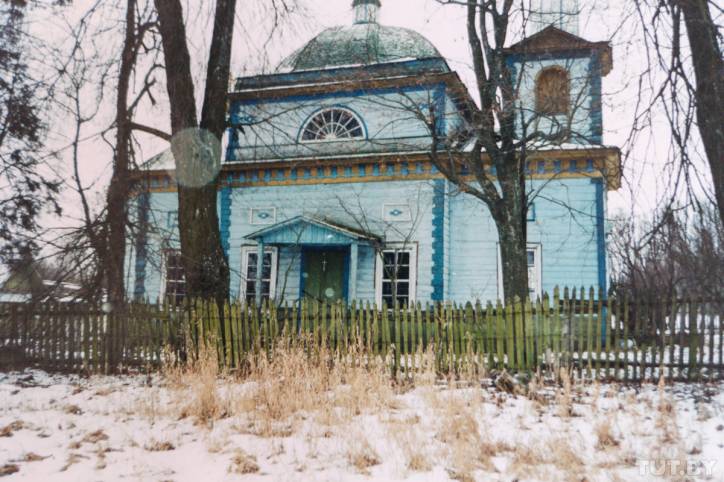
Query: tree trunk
x,y
709,69
510,221
119,187
205,264
114,250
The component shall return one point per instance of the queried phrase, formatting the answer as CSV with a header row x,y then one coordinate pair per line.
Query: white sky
x,y
257,49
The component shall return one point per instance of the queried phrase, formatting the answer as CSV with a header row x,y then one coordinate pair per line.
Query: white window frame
x,y
245,251
309,120
164,272
379,268
538,248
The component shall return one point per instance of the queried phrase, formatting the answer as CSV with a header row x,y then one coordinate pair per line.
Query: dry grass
x,y
33,457
564,397
529,459
413,445
94,437
605,436
243,463
274,394
8,469
72,410
361,455
72,460
9,429
460,431
200,382
297,387
157,446
666,420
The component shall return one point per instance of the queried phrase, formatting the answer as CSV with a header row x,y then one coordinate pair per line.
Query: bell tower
x,y
562,14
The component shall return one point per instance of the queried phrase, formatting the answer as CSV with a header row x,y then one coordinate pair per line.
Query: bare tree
x,y
685,73
25,189
505,134
675,253
205,264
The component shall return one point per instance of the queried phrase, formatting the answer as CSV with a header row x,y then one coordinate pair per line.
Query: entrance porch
x,y
329,256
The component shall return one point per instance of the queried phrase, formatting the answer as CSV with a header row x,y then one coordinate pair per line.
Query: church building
x,y
328,190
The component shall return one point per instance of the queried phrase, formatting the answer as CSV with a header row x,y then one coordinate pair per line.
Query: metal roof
x,y
359,44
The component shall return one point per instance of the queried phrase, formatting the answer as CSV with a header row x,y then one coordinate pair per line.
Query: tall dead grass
x,y
199,380
277,389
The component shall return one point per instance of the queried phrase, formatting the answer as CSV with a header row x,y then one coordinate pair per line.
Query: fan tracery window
x,y
552,91
333,124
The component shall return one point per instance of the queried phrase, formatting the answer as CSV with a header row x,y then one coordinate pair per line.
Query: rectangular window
x,y
397,275
175,281
249,257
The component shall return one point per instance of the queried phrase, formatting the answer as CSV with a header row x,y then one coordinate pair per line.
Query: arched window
x,y
552,91
333,124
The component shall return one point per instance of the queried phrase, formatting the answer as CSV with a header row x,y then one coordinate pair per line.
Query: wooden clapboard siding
x,y
388,115
565,226
336,202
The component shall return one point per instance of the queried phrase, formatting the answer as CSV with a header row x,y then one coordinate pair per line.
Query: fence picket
x,y
599,338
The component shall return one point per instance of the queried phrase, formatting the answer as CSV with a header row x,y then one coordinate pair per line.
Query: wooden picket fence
x,y
594,338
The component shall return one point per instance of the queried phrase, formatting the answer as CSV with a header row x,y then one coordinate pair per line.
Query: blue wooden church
x,y
328,190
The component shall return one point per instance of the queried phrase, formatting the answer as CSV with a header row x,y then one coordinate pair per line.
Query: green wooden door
x,y
323,273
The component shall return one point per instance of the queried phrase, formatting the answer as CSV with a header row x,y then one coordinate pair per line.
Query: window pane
x,y
403,273
389,258
403,289
403,258
531,258
251,266
386,288
267,268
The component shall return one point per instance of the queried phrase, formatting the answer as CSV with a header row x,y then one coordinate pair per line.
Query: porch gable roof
x,y
302,230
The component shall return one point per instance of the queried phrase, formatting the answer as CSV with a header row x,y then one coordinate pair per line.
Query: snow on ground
x,y
68,428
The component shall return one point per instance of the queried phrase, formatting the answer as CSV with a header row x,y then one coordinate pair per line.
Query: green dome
x,y
359,44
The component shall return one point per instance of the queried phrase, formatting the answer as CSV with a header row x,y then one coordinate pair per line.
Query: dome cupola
x,y
363,43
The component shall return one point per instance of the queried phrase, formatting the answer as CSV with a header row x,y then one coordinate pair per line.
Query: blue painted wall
x,y
272,127
455,235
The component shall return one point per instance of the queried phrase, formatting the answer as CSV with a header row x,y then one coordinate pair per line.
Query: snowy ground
x,y
67,428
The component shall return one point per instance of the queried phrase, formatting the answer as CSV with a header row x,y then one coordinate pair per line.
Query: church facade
x,y
328,190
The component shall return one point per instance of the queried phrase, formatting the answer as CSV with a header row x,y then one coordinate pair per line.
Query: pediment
x,y
553,40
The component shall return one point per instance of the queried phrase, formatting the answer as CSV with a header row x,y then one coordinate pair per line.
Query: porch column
x,y
353,255
259,270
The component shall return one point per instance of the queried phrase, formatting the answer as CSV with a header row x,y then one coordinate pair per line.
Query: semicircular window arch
x,y
333,124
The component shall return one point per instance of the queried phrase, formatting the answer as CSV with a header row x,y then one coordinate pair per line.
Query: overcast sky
x,y
259,47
